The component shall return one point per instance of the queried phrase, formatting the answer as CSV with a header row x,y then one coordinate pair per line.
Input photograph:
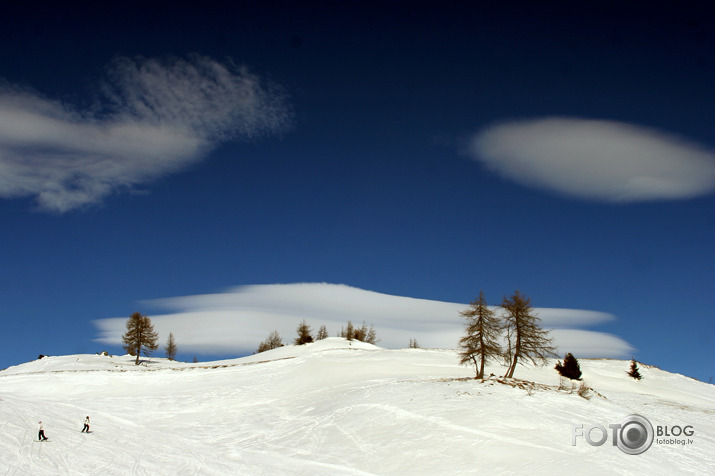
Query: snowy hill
x,y
339,408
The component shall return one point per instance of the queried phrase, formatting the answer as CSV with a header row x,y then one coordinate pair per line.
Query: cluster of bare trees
x,y
518,326
141,338
305,335
273,341
362,333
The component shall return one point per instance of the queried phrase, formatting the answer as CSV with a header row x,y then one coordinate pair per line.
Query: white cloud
x,y
597,160
238,320
154,117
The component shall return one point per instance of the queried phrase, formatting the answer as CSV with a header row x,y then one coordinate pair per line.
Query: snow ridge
x,y
338,408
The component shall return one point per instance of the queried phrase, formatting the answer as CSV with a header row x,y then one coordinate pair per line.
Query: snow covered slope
x,y
338,408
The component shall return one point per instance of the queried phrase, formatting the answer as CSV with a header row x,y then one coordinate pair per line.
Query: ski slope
x,y
337,408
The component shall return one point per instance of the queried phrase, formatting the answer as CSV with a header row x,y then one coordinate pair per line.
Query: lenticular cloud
x,y
596,160
236,321
153,117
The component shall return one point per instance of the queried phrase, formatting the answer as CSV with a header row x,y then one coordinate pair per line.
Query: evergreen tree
x,y
570,368
322,333
525,337
633,372
304,334
170,347
479,343
140,336
273,341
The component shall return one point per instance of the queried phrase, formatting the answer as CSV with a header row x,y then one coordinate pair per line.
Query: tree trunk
x,y
482,354
517,347
512,367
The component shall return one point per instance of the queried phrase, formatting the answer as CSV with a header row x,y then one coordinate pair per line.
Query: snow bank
x,y
337,408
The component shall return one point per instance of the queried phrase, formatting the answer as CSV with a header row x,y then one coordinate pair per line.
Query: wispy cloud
x,y
596,160
152,117
238,320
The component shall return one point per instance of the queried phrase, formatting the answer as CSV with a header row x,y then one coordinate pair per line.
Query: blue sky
x,y
426,152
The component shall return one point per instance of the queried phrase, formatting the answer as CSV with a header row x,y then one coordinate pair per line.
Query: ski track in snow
x,y
333,408
401,413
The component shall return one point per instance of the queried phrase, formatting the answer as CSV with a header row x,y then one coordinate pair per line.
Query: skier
x,y
41,435
86,425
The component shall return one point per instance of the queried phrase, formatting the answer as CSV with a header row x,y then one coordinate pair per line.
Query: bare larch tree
x,y
525,337
273,341
322,333
305,334
479,343
170,347
140,336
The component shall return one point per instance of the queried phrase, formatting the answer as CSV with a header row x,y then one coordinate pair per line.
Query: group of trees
x,y
273,341
362,333
305,335
571,369
141,338
518,326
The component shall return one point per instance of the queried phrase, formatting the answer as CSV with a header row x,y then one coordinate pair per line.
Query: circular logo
x,y
635,435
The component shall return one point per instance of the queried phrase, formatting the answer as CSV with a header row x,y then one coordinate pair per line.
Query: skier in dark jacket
x,y
41,435
86,425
